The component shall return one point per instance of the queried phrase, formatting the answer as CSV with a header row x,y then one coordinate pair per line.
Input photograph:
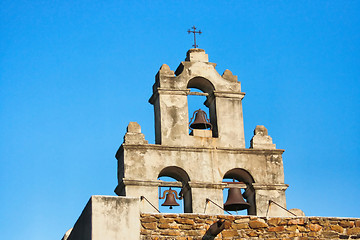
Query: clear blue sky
x,y
74,73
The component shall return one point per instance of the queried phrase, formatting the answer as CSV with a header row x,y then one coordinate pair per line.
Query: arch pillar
x,y
202,191
266,192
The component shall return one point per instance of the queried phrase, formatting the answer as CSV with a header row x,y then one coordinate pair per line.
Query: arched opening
x,y
177,179
202,84
242,179
201,97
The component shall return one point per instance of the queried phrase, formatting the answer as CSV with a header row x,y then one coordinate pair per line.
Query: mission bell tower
x,y
200,159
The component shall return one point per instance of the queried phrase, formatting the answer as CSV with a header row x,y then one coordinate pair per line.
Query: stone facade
x,y
107,217
202,159
199,161
194,226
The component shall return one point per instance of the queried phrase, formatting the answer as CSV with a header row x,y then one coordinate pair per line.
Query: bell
x,y
235,200
170,199
201,121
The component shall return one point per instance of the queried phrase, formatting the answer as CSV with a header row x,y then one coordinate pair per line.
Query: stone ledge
x,y
202,149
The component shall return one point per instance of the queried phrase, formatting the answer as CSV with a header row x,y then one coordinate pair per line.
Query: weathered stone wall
x,y
107,217
194,226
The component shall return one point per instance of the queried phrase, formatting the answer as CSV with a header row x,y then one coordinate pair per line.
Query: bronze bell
x,y
201,121
170,200
235,200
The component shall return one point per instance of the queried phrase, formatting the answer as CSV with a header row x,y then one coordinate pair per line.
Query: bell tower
x,y
223,98
201,159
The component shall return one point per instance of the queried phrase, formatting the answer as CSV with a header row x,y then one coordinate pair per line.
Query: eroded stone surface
x,y
205,156
257,228
261,139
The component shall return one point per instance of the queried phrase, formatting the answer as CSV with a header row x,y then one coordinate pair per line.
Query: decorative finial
x,y
194,31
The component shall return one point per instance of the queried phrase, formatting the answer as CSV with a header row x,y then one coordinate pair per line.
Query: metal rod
x,y
271,201
209,200
267,211
142,197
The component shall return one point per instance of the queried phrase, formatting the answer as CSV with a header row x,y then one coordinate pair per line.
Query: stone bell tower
x,y
200,160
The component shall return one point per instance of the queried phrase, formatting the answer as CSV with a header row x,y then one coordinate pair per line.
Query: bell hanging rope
x,y
201,121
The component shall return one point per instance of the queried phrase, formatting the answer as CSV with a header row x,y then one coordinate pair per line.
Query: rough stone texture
x,y
261,139
134,135
200,161
109,217
247,227
229,76
224,98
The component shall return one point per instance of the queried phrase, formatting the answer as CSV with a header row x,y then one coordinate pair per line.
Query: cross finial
x,y
194,31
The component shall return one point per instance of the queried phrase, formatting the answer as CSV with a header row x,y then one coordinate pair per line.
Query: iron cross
x,y
194,31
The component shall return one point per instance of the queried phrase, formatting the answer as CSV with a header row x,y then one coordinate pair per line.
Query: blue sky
x,y
74,73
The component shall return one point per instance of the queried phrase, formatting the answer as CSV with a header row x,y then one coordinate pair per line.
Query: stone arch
x,y
202,84
244,176
180,175
208,89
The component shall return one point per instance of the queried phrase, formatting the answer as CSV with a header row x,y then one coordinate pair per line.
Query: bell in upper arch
x,y
201,121
170,200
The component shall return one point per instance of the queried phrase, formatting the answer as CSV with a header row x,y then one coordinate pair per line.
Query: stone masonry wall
x,y
194,226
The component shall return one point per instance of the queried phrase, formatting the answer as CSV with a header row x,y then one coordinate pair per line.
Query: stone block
x,y
108,217
170,215
229,233
185,221
198,226
190,216
170,233
167,226
134,135
242,220
134,127
148,219
197,55
166,220
252,234
353,231
292,228
302,229
257,224
240,226
261,139
313,234
337,228
274,221
193,233
165,70
297,221
330,235
315,227
297,212
276,229
185,227
149,225
346,224
228,75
